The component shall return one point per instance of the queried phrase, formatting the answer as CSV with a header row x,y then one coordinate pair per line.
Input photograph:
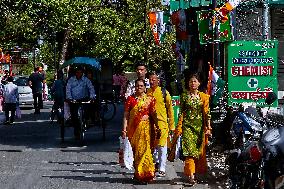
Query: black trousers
x,y
38,104
74,116
10,107
117,92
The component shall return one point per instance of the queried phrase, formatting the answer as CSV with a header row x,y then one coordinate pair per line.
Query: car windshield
x,y
21,81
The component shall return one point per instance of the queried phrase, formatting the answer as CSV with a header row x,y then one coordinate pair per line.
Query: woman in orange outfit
x,y
194,126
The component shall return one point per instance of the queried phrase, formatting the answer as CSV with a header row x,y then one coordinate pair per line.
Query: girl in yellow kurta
x,y
194,126
138,110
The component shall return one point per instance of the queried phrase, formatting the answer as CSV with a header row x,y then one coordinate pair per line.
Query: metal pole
x,y
34,58
265,30
216,47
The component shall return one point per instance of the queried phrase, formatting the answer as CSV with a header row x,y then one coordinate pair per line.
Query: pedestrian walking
x,y
164,118
1,98
36,82
141,71
58,93
194,126
139,109
11,97
44,86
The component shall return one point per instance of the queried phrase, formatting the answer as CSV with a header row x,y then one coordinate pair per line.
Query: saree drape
x,y
139,134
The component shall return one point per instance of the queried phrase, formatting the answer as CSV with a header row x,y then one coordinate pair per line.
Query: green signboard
x,y
175,104
252,71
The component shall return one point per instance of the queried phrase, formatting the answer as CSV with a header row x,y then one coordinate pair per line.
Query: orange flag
x,y
222,12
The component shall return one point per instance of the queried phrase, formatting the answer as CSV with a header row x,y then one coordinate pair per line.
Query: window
x,y
21,81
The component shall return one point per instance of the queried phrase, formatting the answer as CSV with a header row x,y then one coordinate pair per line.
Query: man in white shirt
x,y
11,97
141,71
78,88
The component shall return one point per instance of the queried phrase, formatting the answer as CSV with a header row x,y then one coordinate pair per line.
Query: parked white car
x,y
25,92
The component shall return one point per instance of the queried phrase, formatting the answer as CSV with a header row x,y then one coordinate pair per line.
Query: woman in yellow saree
x,y
137,127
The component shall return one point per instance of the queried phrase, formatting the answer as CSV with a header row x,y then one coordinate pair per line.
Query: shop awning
x,y
278,2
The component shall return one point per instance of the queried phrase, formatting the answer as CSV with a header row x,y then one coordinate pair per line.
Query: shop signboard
x,y
19,57
176,104
252,71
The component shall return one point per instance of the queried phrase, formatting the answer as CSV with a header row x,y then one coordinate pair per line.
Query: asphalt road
x,y
33,157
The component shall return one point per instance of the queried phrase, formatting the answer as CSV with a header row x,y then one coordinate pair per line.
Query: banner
x,y
158,22
252,71
208,32
179,20
154,27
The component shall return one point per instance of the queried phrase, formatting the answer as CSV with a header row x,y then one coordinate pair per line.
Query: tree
x,y
84,28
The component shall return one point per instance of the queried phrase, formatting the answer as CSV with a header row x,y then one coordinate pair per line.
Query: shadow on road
x,y
107,179
37,132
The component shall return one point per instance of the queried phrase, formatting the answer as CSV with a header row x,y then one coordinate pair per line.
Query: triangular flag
x,y
231,4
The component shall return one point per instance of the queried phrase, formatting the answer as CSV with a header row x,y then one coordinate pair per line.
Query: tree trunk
x,y
65,45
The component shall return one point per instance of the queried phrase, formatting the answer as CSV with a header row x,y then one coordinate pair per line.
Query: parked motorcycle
x,y
258,161
245,159
273,152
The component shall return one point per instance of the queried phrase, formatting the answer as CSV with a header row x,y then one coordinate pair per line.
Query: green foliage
x,y
121,34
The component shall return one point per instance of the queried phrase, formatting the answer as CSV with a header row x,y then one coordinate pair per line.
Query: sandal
x,y
160,174
191,181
